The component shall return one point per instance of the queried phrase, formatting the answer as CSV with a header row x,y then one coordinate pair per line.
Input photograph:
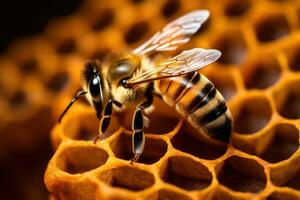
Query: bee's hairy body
x,y
130,79
192,95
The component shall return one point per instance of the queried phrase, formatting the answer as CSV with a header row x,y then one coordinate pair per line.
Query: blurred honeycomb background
x,y
258,73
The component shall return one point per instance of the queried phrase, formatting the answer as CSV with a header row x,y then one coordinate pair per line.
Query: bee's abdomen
x,y
196,98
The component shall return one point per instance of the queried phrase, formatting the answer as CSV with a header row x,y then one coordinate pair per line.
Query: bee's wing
x,y
187,61
175,33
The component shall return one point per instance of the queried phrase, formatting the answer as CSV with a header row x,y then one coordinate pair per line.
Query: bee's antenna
x,y
79,94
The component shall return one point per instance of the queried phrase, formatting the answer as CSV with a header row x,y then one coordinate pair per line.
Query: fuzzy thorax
x,y
132,97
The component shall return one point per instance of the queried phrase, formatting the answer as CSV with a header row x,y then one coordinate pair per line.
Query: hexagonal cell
x,y
293,56
293,182
271,28
253,114
164,194
29,65
191,141
284,143
103,20
281,196
58,81
80,159
154,148
286,177
233,47
136,32
160,124
224,82
242,175
128,177
185,173
85,126
236,8
18,99
170,8
66,46
162,120
287,99
261,73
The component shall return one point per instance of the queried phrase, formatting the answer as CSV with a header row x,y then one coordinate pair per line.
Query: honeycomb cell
x,y
128,177
170,8
29,66
289,178
281,196
136,32
271,28
154,148
185,173
293,182
191,141
236,8
261,73
293,56
58,81
287,99
233,47
284,144
80,159
161,124
253,114
164,194
103,20
242,175
18,99
66,46
85,126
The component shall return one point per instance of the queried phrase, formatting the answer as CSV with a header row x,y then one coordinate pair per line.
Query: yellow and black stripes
x,y
202,98
196,98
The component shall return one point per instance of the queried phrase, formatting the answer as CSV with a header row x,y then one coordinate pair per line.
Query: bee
x,y
131,78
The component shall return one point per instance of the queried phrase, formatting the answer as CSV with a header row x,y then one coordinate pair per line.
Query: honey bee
x,y
131,78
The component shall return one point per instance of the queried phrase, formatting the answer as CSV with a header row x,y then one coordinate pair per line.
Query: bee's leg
x,y
104,122
138,137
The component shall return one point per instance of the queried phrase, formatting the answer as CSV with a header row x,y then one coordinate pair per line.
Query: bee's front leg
x,y
138,137
105,120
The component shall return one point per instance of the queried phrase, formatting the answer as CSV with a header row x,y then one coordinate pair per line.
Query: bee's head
x,y
95,85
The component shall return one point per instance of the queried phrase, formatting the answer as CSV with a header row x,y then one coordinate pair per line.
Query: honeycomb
x,y
258,74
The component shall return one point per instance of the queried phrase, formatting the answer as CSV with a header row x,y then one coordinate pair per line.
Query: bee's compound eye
x,y
94,88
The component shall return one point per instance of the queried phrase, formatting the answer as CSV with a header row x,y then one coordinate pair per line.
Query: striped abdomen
x,y
196,98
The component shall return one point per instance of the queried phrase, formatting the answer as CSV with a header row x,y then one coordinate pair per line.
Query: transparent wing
x,y
187,61
175,33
